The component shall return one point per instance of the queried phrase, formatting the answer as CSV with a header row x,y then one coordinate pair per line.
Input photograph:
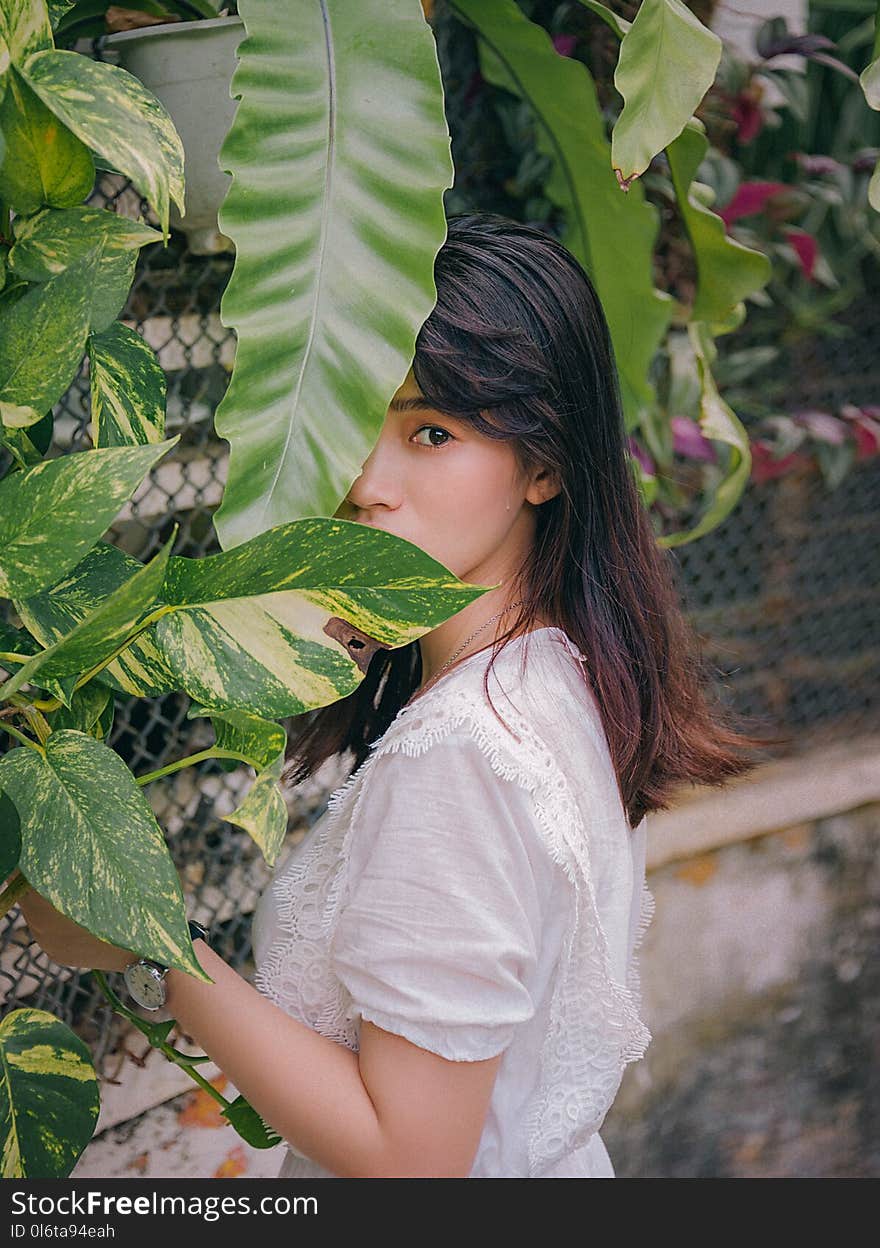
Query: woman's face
x,y
450,490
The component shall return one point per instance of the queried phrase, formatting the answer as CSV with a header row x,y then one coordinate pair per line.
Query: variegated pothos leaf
x,y
90,844
49,1098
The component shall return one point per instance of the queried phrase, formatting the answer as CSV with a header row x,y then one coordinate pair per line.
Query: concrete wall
x,y
762,989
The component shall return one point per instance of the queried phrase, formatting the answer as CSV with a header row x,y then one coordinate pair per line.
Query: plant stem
x,y
19,736
17,887
168,1050
201,757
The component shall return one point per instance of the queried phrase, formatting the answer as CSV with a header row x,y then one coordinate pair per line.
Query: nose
x,y
379,484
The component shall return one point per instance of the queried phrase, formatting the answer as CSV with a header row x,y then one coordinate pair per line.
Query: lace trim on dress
x,y
594,1027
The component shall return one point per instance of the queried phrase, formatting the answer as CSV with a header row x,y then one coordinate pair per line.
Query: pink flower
x,y
750,197
687,439
805,246
638,452
765,465
822,426
565,44
746,112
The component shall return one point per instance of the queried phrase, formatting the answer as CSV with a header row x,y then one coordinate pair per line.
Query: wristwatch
x,y
145,979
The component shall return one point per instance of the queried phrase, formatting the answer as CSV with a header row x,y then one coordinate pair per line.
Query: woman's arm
x,y
394,1110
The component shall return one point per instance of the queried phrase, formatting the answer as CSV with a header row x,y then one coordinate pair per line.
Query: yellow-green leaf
x,y
53,513
101,632
49,1099
128,388
719,423
43,162
727,271
668,61
117,117
91,845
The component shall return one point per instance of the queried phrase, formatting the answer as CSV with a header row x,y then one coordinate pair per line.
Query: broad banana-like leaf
x,y
43,162
719,423
117,117
668,61
289,620
91,845
51,514
727,271
10,836
58,610
49,1099
618,24
611,234
263,813
52,241
128,388
340,155
43,337
101,632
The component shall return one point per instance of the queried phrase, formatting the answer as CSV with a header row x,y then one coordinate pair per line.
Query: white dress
x,y
479,892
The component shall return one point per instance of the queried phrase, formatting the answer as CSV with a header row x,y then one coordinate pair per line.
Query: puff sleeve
x,y
438,930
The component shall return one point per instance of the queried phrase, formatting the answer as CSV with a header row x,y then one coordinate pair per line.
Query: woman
x,y
446,980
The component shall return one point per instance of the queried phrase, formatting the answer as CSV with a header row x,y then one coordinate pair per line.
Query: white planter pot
x,y
188,66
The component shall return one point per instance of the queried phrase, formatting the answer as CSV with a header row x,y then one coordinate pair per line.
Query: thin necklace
x,y
441,670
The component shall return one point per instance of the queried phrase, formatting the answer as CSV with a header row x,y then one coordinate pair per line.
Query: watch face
x,y
146,984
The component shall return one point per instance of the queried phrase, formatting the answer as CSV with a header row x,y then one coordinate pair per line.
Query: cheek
x,y
464,510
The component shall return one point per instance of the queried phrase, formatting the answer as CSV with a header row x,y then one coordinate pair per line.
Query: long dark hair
x,y
517,344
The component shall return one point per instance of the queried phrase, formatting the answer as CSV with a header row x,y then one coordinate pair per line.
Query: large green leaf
x,y
100,633
91,845
49,1098
43,337
52,241
263,813
340,155
10,836
88,711
25,27
43,162
258,740
128,388
58,610
16,641
50,515
289,620
612,234
618,24
668,61
719,423
727,271
117,117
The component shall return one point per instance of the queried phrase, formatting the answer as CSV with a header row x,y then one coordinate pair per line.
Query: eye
x,y
435,446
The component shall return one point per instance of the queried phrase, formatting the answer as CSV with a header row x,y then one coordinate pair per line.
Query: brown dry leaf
x,y
119,19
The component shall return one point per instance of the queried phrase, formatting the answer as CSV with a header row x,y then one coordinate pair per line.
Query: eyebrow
x,y
414,404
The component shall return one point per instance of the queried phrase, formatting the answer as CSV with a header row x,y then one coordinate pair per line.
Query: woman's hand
x,y
66,942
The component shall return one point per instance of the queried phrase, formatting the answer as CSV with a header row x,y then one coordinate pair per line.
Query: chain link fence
x,y
784,594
